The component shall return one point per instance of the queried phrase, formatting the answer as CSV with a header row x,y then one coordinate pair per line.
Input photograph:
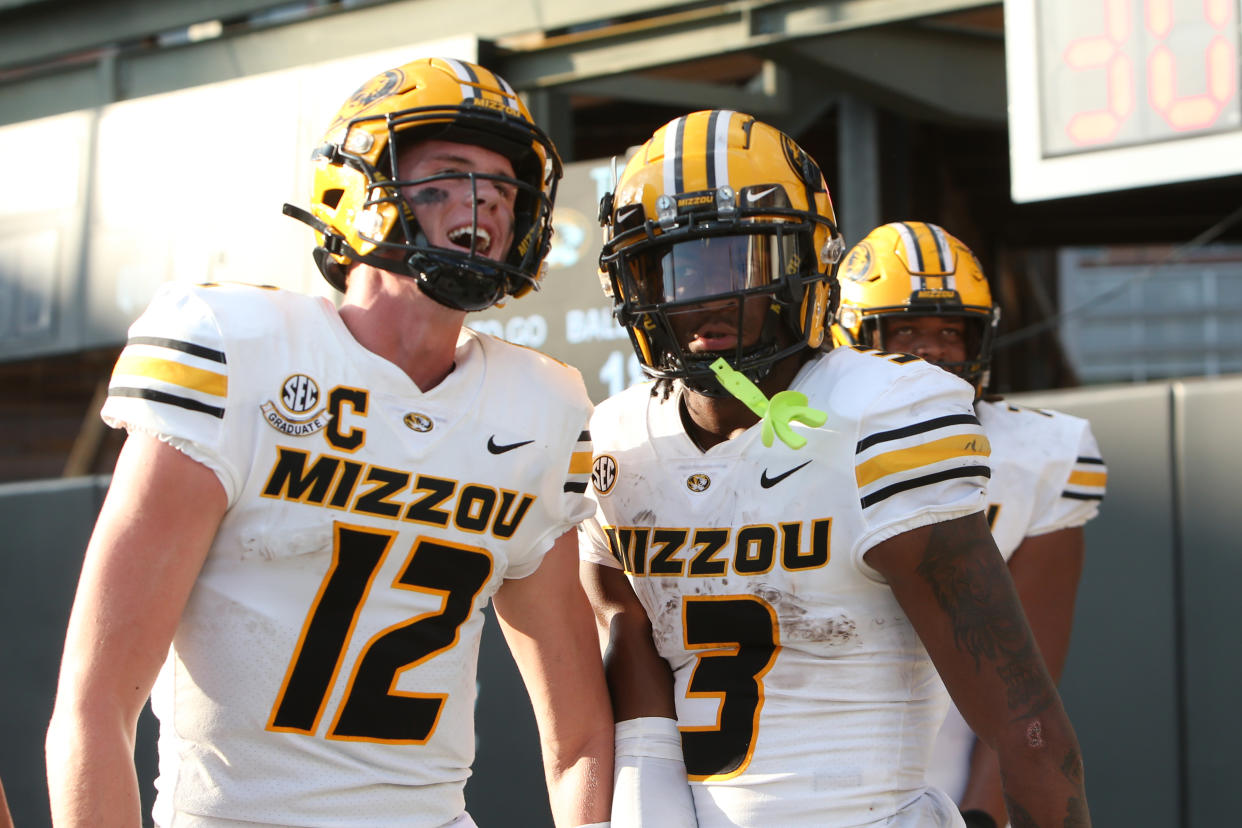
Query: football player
x,y
910,287
774,613
313,507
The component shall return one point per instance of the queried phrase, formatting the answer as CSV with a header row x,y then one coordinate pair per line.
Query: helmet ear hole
x,y
332,197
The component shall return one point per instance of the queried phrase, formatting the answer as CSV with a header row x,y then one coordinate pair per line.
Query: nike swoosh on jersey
x,y
496,448
768,482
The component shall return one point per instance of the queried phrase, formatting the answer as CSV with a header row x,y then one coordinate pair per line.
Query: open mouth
x,y
714,336
469,237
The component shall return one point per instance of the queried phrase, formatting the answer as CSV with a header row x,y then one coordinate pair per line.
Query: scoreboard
x,y
1116,94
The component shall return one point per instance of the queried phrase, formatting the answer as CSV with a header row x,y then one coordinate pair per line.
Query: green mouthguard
x,y
775,414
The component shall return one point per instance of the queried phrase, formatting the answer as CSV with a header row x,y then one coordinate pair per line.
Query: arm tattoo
x,y
1076,813
987,623
1018,816
1071,767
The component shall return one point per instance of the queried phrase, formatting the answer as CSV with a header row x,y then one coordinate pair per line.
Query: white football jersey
x,y
323,673
1047,474
804,696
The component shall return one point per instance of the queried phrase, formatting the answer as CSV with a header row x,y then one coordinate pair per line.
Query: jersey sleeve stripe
x,y
1087,479
926,480
917,456
918,428
1081,478
581,460
179,345
170,399
173,373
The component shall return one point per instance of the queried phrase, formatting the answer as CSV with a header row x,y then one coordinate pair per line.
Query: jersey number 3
x,y
739,634
371,710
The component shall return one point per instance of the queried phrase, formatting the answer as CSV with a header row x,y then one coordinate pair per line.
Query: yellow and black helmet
x,y
360,214
721,187
914,268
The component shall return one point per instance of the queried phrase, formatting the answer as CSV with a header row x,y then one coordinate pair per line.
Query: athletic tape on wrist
x,y
655,737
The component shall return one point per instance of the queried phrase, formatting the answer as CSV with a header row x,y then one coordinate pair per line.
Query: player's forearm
x,y
1042,772
580,788
983,788
90,773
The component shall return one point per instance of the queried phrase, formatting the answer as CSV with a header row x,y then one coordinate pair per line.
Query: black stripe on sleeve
x,y
169,399
1079,496
579,488
584,436
926,480
179,345
918,428
1094,461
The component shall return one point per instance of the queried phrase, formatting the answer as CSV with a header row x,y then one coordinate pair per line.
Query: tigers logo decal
x,y
698,482
421,423
295,415
376,89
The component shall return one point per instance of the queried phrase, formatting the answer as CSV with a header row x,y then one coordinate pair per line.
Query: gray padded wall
x,y
1211,498
1119,683
45,527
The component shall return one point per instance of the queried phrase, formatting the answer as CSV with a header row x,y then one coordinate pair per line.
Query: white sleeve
x,y
921,458
172,382
1078,498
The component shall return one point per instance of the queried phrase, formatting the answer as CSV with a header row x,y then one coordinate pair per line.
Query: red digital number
x,y
1191,112
1106,52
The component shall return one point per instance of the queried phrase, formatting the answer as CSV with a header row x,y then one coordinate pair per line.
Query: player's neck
x,y
391,317
710,421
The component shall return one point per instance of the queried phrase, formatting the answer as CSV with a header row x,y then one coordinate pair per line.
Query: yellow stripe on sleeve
x,y
186,376
580,462
1082,478
894,462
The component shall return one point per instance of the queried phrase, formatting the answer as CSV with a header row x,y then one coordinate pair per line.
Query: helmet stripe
x,y
466,77
673,175
913,254
712,146
509,91
910,240
943,251
718,154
